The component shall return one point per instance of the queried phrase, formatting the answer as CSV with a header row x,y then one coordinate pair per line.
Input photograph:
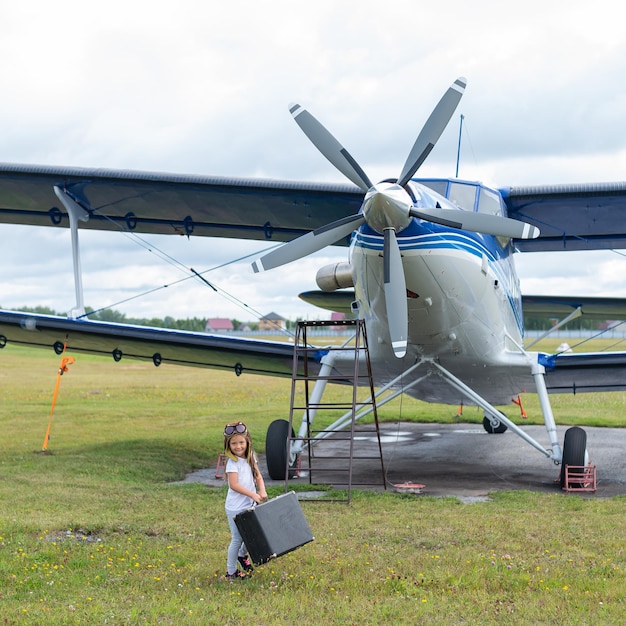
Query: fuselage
x,y
464,300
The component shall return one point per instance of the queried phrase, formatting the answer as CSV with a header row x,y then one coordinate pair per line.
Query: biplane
x,y
429,267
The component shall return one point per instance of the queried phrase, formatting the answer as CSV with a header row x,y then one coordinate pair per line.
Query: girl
x,y
245,489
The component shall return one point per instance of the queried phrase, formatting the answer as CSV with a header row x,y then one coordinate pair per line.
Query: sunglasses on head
x,y
239,428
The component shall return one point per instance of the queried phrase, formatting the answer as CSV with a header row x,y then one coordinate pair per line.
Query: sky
x,y
204,87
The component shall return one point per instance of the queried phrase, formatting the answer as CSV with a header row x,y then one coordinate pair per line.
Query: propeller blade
x,y
329,147
478,222
309,243
435,125
395,294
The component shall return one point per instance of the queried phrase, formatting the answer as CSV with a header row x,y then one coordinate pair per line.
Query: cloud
x,y
203,88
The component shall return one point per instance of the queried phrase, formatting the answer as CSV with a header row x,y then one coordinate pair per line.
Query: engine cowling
x,y
335,276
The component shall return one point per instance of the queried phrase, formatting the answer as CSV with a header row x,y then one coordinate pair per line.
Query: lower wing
x,y
565,372
159,345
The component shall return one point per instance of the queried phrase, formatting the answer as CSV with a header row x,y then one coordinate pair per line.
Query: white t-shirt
x,y
236,501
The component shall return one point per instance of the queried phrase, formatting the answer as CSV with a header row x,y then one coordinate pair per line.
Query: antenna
x,y
458,150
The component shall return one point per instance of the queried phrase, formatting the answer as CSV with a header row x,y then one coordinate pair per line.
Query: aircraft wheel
x,y
495,427
574,450
276,449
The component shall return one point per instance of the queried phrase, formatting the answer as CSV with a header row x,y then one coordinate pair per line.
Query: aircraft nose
x,y
387,205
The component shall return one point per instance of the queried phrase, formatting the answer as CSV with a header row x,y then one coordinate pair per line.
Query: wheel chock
x,y
580,478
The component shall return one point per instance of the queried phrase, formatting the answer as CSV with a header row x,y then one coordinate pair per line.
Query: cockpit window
x,y
467,195
440,186
463,195
489,202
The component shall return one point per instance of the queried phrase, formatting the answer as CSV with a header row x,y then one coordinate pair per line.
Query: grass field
x,y
93,531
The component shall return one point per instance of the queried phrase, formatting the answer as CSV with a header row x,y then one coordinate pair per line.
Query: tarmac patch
x,y
387,437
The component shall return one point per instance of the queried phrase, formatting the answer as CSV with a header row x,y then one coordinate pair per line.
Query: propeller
x,y
309,243
388,209
329,147
395,293
478,222
435,125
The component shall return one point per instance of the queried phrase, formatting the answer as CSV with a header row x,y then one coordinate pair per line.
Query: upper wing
x,y
150,344
571,217
152,202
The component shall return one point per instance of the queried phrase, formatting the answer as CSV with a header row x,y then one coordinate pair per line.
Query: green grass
x,y
92,532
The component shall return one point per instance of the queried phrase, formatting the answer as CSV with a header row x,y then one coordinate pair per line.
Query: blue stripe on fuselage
x,y
420,235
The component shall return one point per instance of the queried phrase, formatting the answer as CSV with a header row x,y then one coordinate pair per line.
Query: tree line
x,y
196,324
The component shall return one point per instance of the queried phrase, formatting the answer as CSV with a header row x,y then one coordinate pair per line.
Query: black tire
x,y
276,449
495,428
574,449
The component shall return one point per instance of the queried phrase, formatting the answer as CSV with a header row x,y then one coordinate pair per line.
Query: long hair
x,y
249,455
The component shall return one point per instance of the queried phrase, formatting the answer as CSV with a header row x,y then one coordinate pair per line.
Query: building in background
x,y
218,325
272,322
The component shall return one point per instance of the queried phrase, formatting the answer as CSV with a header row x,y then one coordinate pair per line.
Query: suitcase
x,y
273,528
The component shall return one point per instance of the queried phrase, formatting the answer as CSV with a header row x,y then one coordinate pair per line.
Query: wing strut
x,y
75,212
537,371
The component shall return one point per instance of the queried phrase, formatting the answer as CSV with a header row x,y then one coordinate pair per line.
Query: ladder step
x,y
340,458
343,407
316,435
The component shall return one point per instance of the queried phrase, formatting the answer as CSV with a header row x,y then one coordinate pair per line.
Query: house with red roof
x,y
218,325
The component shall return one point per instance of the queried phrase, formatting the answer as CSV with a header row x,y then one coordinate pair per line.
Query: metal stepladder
x,y
307,388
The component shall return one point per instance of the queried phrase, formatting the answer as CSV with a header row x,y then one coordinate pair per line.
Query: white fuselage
x,y
464,310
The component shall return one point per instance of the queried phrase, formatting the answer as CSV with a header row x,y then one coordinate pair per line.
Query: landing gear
x,y
574,450
276,450
493,425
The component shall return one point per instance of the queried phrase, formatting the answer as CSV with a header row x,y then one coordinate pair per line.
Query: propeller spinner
x,y
388,209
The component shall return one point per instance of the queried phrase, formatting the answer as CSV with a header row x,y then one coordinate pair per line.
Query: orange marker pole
x,y
65,363
521,408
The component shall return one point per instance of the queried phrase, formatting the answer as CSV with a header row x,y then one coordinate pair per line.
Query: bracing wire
x,y
190,272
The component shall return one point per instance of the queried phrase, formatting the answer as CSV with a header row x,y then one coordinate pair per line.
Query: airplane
x,y
430,270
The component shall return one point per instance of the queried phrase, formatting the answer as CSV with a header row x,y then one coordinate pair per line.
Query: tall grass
x,y
94,531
